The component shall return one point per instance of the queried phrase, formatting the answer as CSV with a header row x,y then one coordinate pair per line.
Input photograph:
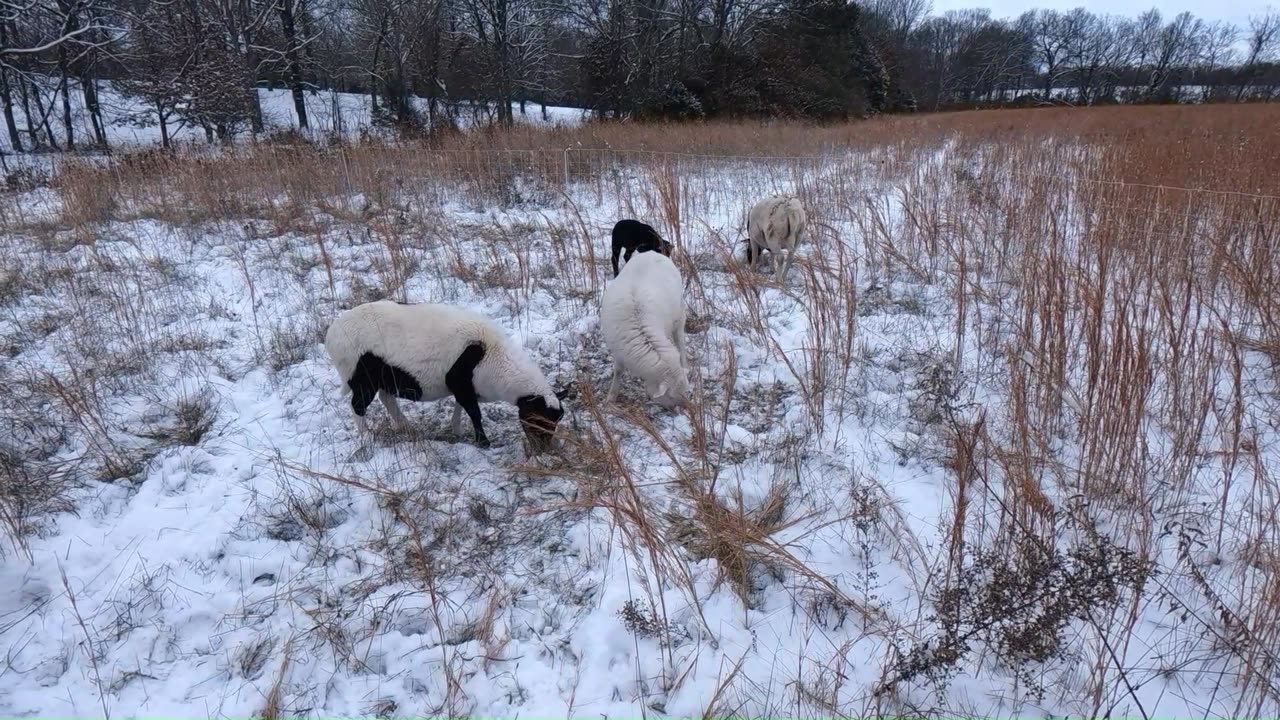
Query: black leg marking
x,y
460,381
372,374
361,396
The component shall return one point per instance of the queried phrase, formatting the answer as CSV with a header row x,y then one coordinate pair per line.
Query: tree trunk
x,y
33,128
255,106
15,139
85,70
434,86
291,61
245,50
339,129
506,116
373,69
308,31
91,104
1247,73
44,117
164,125
70,23
67,127
240,40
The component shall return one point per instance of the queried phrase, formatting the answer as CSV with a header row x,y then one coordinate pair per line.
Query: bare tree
x,y
1218,50
1263,45
1052,36
163,48
73,31
1177,46
237,23
405,40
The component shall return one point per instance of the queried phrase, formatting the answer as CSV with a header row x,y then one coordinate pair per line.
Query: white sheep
x,y
775,223
642,319
429,352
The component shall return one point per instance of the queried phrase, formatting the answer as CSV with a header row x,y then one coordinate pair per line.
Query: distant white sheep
x,y
642,319
429,352
775,224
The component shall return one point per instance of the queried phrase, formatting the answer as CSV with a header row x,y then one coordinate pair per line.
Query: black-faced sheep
x,y
429,352
636,237
775,224
642,319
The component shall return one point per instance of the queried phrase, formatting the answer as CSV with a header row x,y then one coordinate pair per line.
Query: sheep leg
x,y
615,384
393,408
360,403
457,419
786,264
460,383
682,346
361,397
472,406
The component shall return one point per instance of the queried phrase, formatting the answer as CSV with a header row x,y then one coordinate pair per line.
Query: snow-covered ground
x,y
131,124
776,552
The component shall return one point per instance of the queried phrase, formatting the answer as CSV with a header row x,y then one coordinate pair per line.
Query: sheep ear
x,y
662,389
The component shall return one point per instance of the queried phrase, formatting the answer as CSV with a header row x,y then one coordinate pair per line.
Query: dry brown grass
x,y
1217,147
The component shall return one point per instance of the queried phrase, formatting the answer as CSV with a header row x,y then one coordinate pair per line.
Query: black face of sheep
x,y
634,236
540,420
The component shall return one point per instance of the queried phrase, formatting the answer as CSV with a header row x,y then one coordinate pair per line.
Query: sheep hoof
x,y
482,442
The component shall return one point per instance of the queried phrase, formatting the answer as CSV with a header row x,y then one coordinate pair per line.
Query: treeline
x,y
423,62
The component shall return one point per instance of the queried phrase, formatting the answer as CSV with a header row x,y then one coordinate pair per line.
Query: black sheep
x,y
635,236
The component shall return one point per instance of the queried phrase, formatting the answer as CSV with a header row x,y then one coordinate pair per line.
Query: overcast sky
x,y
1236,11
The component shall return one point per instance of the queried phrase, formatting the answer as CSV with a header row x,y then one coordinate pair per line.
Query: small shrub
x,y
642,622
736,537
254,655
124,464
286,347
30,489
193,418
299,517
11,287
1021,607
25,179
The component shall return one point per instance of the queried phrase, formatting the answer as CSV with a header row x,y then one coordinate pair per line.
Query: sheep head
x,y
671,392
539,419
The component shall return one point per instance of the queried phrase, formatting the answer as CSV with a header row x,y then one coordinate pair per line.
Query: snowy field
x,y
130,124
982,455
